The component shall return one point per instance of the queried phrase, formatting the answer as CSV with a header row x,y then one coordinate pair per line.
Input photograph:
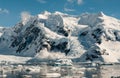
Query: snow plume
x,y
45,55
25,16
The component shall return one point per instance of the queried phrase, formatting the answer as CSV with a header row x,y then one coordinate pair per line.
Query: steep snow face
x,y
57,35
102,31
5,40
91,19
39,33
54,22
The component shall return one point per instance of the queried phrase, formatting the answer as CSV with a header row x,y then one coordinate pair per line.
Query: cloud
x,y
25,16
41,1
69,6
68,9
79,2
4,11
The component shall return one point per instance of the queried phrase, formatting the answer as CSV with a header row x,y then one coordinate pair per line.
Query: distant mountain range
x,y
49,36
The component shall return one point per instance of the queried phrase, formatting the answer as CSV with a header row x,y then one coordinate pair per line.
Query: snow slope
x,y
13,59
88,37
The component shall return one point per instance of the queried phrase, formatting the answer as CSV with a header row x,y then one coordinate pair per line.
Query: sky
x,y
10,10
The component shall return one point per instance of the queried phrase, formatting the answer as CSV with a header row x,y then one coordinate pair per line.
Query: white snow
x,y
54,27
113,49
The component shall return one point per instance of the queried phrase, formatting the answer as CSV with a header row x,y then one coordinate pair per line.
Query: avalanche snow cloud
x,y
50,36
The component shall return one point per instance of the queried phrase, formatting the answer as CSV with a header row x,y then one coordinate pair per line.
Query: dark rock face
x,y
30,35
97,34
93,54
21,47
60,47
91,57
88,38
18,28
84,33
63,32
16,41
117,35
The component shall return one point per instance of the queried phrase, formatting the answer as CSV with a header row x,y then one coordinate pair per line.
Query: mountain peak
x,y
60,13
86,37
46,13
101,14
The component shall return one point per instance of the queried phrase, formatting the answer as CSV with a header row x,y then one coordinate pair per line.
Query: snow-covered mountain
x,y
86,37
